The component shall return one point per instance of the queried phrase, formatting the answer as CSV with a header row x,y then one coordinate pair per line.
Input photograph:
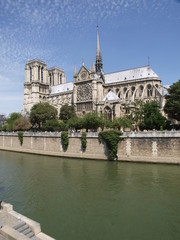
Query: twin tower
x,y
49,84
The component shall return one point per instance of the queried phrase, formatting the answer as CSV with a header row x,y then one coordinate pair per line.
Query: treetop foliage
x,y
67,112
172,105
41,112
152,117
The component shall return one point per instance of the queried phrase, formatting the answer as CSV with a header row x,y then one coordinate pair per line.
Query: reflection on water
x,y
77,199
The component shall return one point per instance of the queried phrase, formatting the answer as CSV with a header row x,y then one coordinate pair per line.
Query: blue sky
x,y
63,32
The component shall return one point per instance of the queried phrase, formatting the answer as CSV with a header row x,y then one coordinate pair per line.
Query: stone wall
x,y
141,147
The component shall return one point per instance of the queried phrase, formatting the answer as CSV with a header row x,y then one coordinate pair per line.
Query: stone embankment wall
x,y
154,146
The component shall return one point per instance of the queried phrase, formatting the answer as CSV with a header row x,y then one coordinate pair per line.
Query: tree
x,y
12,119
91,121
22,124
54,125
40,113
67,112
152,118
172,105
76,123
136,114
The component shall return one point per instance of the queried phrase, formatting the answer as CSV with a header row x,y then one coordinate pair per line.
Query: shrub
x,y
20,136
83,141
65,140
111,138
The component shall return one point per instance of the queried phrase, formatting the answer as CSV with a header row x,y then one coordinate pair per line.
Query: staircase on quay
x,y
23,228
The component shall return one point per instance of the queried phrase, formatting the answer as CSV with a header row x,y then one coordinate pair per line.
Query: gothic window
x,y
39,73
30,74
141,90
117,90
42,74
108,113
60,78
132,90
127,94
50,79
156,91
149,90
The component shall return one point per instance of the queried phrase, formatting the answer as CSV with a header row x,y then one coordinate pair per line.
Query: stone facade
x,y
91,89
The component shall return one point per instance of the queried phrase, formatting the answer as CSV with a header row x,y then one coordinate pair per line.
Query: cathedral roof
x,y
110,96
131,74
62,88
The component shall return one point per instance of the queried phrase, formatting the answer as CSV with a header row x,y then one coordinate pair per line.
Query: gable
x,y
83,74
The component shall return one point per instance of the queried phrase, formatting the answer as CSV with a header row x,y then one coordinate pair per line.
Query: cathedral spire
x,y
98,64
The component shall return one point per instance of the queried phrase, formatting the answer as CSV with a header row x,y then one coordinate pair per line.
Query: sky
x,y
63,33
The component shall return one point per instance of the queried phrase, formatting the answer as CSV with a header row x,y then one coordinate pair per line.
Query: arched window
x,y
30,74
117,90
141,88
119,95
132,90
156,91
42,74
127,94
108,113
149,90
39,73
50,80
60,78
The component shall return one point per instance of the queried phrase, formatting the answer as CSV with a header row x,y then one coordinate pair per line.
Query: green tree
x,y
40,113
54,125
66,112
12,119
136,114
122,123
103,122
152,118
76,123
91,121
172,105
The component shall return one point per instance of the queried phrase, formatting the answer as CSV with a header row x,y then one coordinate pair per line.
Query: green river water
x,y
86,199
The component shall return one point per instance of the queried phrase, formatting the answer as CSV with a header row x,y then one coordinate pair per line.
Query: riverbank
x,y
156,147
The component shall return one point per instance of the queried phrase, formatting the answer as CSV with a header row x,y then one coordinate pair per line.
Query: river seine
x,y
99,200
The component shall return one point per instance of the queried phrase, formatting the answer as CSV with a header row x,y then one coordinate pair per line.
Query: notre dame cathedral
x,y
91,89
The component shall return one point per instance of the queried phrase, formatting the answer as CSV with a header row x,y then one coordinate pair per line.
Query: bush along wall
x,y
111,138
83,141
20,137
65,140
